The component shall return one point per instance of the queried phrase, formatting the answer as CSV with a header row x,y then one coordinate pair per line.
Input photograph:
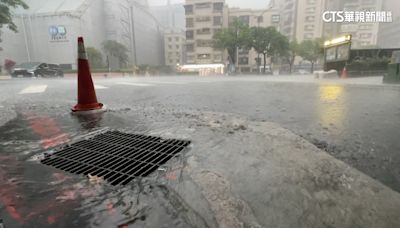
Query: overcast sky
x,y
255,4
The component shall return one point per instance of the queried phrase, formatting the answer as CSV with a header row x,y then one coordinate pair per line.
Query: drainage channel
x,y
116,156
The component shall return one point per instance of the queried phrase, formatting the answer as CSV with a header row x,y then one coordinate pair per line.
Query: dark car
x,y
36,69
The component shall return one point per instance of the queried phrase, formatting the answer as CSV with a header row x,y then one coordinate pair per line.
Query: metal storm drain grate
x,y
116,156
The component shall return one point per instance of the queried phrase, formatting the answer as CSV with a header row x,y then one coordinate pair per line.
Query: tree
x,y
290,55
5,12
236,36
95,57
269,42
117,50
311,50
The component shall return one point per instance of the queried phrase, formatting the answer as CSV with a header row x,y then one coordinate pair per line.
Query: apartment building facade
x,y
366,35
249,60
309,23
47,32
204,18
174,46
300,19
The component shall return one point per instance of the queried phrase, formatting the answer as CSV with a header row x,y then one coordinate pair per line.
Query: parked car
x,y
37,69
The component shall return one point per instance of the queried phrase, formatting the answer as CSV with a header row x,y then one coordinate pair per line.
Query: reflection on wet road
x,y
356,125
332,106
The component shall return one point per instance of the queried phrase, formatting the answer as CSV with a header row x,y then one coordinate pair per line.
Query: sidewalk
x,y
361,81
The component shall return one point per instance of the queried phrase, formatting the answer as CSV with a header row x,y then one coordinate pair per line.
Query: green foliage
x,y
311,50
269,41
237,35
290,55
95,58
116,49
6,15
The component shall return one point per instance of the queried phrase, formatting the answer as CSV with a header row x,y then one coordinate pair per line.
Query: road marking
x,y
134,84
34,89
100,87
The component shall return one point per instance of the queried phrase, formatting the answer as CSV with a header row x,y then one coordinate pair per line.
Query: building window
x,y
189,22
190,47
365,27
189,35
177,46
170,46
203,19
203,56
188,9
275,18
217,30
204,43
217,20
245,19
177,39
311,1
309,27
243,51
169,39
365,35
204,31
310,18
311,9
219,6
243,60
205,5
260,19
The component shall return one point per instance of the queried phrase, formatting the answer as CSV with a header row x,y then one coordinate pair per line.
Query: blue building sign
x,y
58,33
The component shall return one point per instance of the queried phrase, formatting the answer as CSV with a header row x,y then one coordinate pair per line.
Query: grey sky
x,y
255,4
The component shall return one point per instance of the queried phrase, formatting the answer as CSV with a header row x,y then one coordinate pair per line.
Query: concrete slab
x,y
257,174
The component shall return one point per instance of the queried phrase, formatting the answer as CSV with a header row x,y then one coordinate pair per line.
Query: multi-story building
x,y
383,35
309,23
203,19
170,15
300,19
174,44
47,31
248,59
287,9
389,33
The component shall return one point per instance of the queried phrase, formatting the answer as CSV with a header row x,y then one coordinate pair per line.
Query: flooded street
x,y
242,170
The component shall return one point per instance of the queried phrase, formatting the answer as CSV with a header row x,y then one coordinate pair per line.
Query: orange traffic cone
x,y
87,100
344,73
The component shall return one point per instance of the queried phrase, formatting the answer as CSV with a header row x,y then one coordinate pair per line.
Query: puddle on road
x,y
34,195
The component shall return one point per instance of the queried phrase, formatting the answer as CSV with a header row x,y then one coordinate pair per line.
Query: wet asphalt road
x,y
359,125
